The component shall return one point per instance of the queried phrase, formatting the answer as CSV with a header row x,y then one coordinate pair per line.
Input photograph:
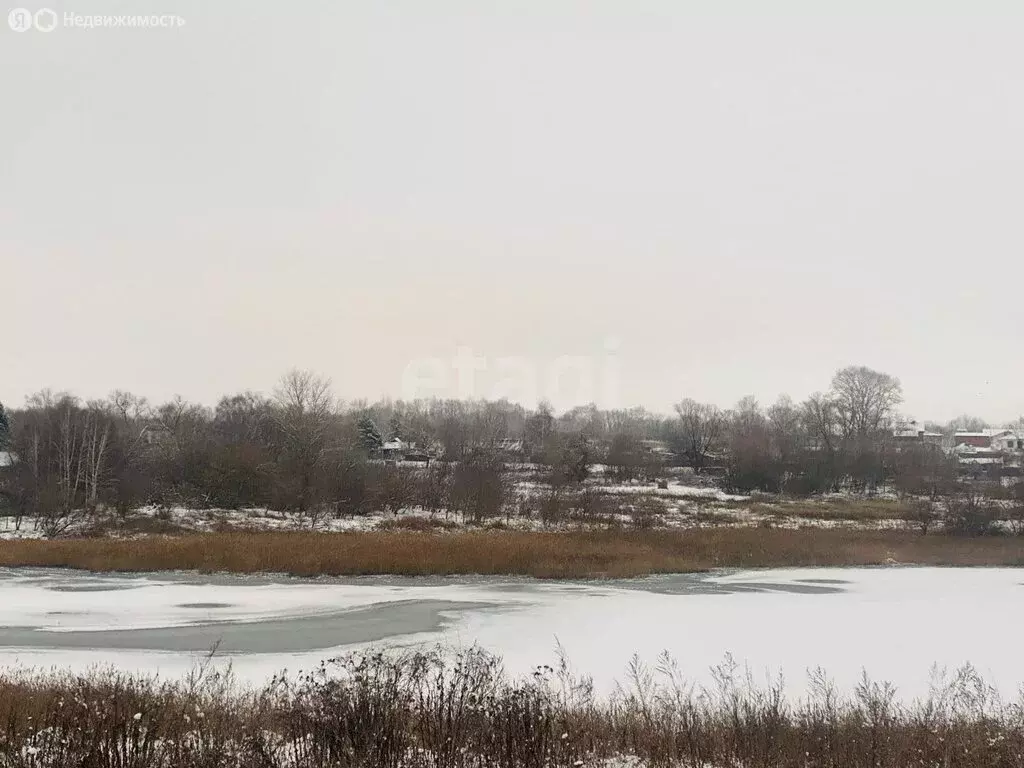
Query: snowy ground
x,y
894,623
678,506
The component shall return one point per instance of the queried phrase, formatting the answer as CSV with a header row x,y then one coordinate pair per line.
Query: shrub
x,y
970,513
479,487
589,506
570,459
629,459
751,469
393,489
449,708
645,512
1016,518
435,487
922,514
553,507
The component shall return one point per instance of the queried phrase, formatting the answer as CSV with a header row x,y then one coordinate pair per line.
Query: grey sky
x,y
746,202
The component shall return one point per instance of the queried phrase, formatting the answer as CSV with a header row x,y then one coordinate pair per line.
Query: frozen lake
x,y
895,623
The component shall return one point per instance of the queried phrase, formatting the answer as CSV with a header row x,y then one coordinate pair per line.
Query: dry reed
x,y
576,554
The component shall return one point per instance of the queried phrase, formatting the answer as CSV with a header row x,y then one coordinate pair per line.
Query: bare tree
x,y
539,427
821,425
586,419
60,452
395,488
701,427
865,401
130,479
128,408
748,415
966,423
184,421
921,469
303,414
304,393
488,425
95,442
69,442
479,488
784,427
636,422
242,418
752,461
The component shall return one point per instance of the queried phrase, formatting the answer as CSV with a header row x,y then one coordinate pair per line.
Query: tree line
x,y
300,449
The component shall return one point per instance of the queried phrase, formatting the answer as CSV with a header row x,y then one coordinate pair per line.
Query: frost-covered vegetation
x,y
458,709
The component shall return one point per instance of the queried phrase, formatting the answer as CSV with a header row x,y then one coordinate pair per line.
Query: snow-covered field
x,y
893,623
679,506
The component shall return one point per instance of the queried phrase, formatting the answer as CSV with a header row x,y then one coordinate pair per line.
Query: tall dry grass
x,y
852,510
442,709
577,554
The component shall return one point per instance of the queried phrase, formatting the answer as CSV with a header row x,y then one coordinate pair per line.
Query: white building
x,y
994,439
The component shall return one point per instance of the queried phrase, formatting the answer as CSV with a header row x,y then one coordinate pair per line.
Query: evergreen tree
x,y
369,436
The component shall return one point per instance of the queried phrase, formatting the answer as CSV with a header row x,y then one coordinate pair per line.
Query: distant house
x,y
980,462
400,450
999,451
968,454
986,438
1008,440
394,450
912,433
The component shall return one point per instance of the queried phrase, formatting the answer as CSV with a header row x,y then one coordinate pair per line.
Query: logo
x,y
22,20
45,20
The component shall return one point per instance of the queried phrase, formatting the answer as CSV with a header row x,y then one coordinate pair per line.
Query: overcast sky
x,y
694,203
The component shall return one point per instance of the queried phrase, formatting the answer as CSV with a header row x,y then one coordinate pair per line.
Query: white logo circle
x,y
20,19
45,20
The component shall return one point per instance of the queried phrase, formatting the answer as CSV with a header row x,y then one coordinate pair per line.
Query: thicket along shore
x,y
426,709
568,554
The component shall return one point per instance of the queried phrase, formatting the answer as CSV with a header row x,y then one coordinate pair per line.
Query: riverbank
x,y
563,555
429,709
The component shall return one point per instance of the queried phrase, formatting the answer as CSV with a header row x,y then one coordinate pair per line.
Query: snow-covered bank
x,y
598,503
